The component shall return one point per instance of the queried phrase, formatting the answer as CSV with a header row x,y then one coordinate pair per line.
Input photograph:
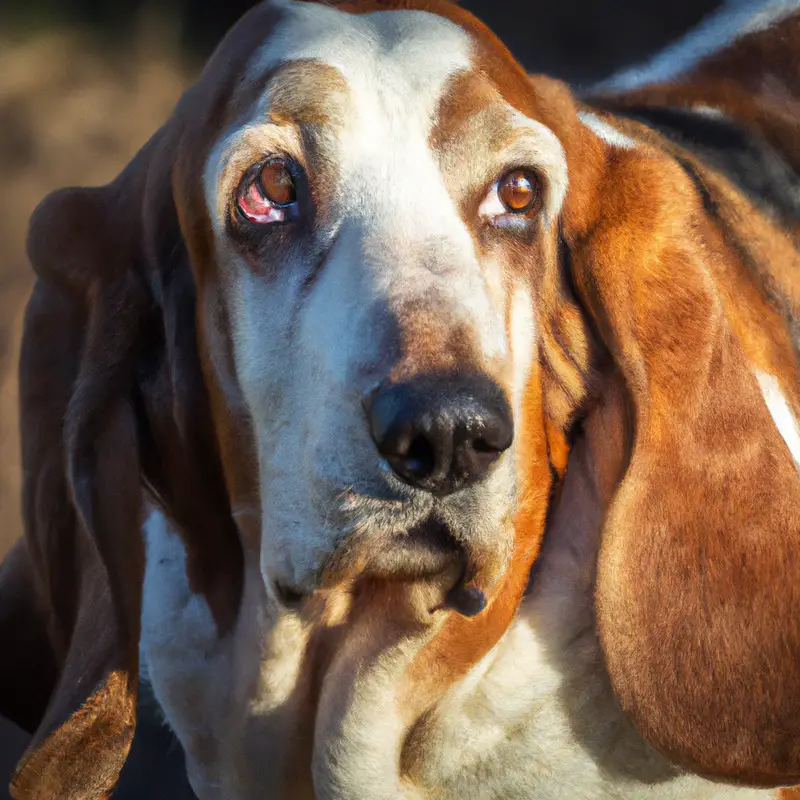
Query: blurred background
x,y
83,84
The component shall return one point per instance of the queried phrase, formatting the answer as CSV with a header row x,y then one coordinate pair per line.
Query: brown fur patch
x,y
755,81
100,733
710,483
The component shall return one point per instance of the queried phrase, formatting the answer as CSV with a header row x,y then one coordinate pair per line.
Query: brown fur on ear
x,y
698,582
81,493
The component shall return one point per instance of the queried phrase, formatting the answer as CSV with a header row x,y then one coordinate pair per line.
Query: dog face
x,y
366,236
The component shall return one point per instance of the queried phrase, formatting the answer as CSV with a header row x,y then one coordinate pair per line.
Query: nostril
x,y
473,459
410,454
495,444
482,446
420,461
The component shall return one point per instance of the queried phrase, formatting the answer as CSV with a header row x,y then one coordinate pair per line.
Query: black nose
x,y
441,434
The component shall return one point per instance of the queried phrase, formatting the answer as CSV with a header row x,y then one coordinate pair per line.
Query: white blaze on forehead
x,y
779,409
409,55
390,188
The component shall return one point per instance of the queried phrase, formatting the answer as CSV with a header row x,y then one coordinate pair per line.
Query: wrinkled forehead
x,y
364,91
409,67
404,55
360,88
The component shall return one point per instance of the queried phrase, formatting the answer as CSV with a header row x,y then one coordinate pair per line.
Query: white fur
x,y
356,752
608,133
785,421
395,238
182,655
733,20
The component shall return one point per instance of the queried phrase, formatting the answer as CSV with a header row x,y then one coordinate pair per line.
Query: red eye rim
x,y
253,201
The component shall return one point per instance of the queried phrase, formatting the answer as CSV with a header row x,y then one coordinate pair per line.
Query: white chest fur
x,y
535,719
181,655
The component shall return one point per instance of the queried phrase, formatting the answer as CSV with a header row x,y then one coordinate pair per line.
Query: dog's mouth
x,y
435,538
429,552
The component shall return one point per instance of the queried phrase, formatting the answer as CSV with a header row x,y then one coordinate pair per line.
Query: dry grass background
x,y
72,111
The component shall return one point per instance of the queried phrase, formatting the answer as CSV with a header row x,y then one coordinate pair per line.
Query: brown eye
x,y
518,191
278,184
268,193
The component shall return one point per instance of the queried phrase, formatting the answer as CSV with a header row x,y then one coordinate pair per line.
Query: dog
x,y
419,429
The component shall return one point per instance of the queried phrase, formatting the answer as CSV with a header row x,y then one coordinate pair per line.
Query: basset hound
x,y
420,430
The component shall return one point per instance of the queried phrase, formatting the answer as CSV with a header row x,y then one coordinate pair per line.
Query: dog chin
x,y
429,567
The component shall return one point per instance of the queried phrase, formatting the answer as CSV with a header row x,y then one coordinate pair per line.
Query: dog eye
x,y
268,192
518,191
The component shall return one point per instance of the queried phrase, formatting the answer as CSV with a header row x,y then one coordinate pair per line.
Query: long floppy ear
x,y
698,582
117,397
81,491
113,401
